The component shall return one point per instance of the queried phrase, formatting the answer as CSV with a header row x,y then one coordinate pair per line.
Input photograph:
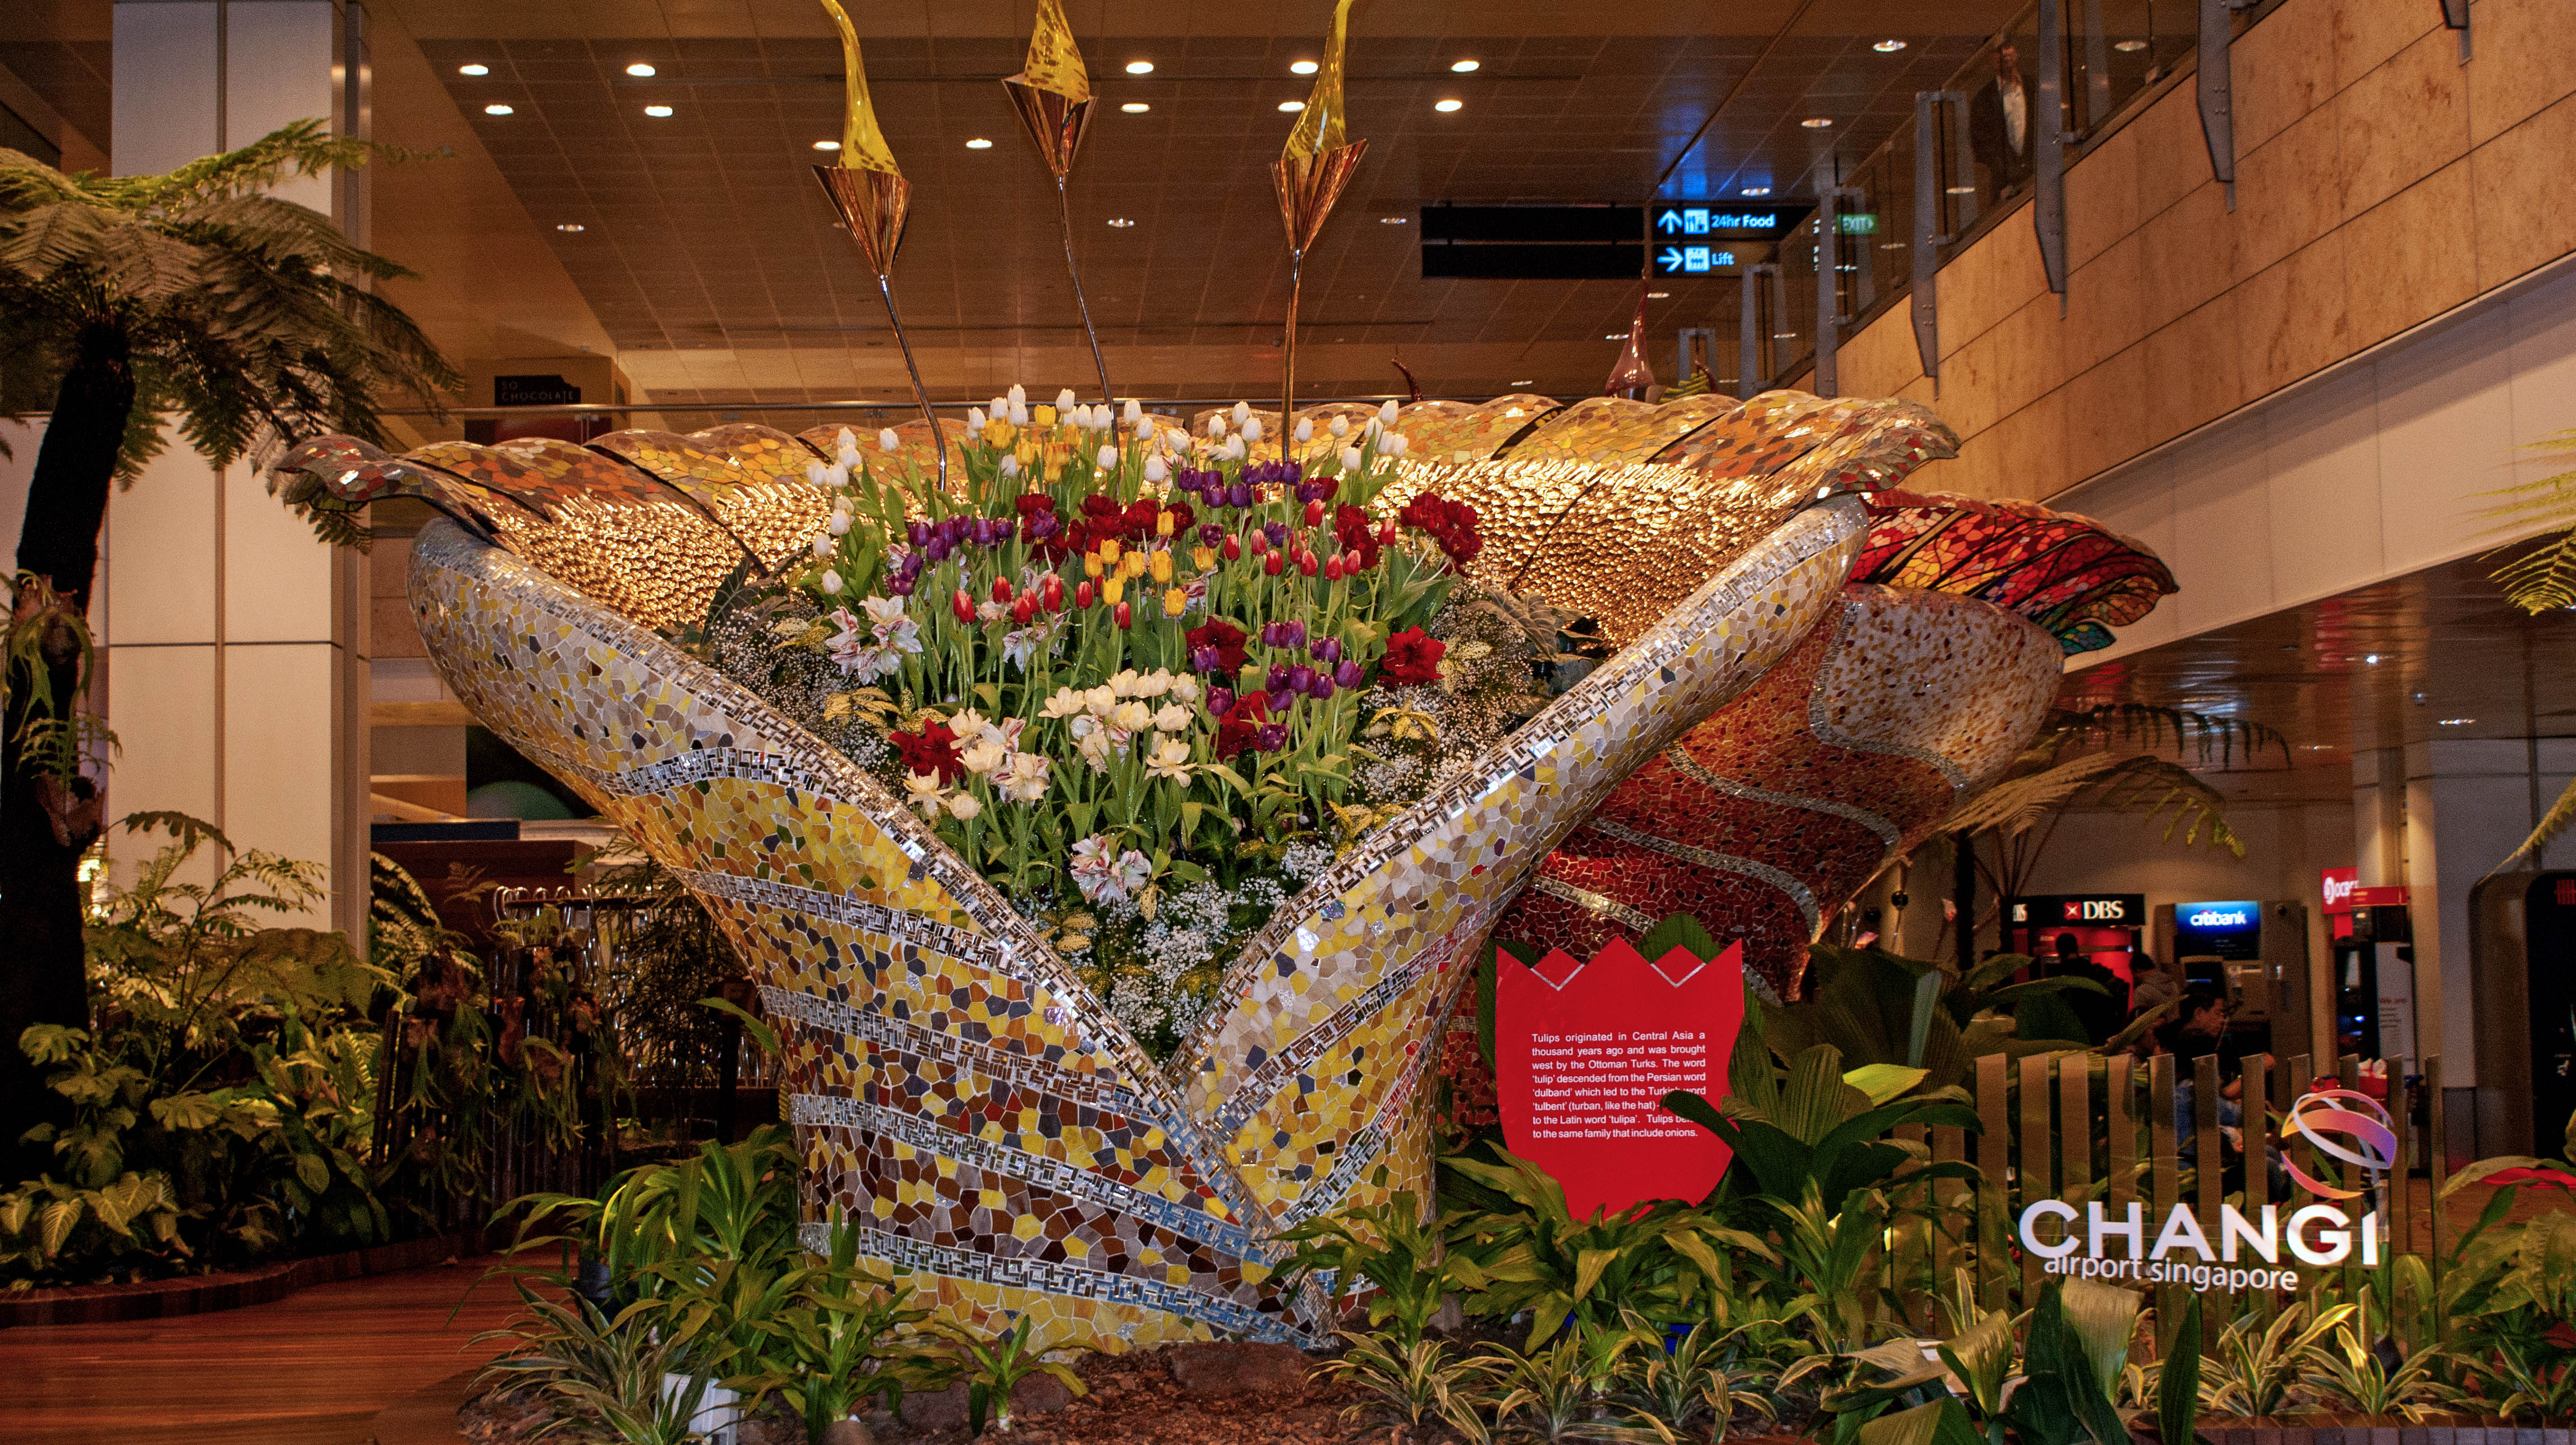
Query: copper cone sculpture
x,y
873,198
1309,175
1631,377
1052,94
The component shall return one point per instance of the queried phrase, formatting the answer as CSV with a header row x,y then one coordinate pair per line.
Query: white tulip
x,y
1155,471
1177,439
1252,428
1109,459
814,473
975,420
831,583
1134,413
1394,445
1144,428
1019,412
1386,413
1019,396
1010,465
1064,401
1216,425
1242,412
1001,406
1339,426
1350,459
839,526
1305,429
822,544
847,442
887,441
838,474
848,460
1234,447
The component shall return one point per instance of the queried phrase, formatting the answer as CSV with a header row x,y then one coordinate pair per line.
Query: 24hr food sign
x,y
1583,1052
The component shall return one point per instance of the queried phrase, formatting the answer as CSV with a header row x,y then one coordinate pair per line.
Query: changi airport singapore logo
x,y
2342,1124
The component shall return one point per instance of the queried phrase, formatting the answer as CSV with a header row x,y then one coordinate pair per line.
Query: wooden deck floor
x,y
311,1369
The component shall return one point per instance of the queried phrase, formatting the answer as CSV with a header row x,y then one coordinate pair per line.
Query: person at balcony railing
x,y
1999,129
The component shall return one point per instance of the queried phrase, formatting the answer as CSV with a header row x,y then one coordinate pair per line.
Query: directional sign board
x,y
1698,239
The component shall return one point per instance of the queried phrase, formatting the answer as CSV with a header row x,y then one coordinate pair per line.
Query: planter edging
x,y
100,1304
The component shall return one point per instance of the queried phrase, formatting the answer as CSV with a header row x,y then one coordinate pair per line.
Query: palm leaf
x,y
2123,782
2544,577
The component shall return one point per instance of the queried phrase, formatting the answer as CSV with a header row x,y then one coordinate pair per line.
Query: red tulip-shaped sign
x,y
1583,1052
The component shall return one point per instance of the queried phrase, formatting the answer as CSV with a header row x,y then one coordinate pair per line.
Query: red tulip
x,y
1333,569
1123,615
1386,534
1001,589
1054,589
1025,608
1082,595
1306,564
1233,548
962,605
1260,543
1274,564
1314,514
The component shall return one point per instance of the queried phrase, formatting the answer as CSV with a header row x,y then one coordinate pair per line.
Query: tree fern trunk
x,y
42,979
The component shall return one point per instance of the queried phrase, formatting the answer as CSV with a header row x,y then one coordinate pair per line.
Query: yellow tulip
x,y
1162,566
1205,557
1163,523
1042,417
1091,564
1174,601
997,432
1110,589
1134,564
1109,549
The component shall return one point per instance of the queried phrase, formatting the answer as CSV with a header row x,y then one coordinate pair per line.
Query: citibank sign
x,y
2219,918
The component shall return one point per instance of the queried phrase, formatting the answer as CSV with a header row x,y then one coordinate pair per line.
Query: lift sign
x,y
1691,260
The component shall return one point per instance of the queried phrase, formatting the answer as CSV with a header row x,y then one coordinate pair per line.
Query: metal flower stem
x,y
1064,222
1288,362
920,394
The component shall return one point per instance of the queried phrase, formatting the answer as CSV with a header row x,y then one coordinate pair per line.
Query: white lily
x,y
1171,717
1169,759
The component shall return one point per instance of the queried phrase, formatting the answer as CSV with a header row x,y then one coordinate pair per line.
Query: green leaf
x,y
1940,1423
1882,1082
1679,930
2178,1384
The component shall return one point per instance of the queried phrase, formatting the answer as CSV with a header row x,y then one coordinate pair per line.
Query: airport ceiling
x,y
712,261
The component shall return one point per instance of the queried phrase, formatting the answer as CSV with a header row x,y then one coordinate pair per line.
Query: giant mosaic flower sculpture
x,y
956,1089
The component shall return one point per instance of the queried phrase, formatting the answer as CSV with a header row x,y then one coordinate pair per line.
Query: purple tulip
x,y
1238,495
1327,650
937,551
1206,659
1220,701
1348,674
1322,690
980,531
1271,738
1278,678
918,533
1210,534
900,585
1043,525
1277,532
1301,679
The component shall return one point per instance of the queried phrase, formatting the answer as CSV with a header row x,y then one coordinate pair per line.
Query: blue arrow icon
x,y
1671,260
1670,222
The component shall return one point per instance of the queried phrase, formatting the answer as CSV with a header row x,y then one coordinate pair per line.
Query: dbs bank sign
x,y
2114,910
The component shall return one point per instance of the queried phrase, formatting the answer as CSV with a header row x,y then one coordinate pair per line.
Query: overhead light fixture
x,y
1140,67
658,112
1302,67
639,69
1659,296
1959,190
1120,222
1524,381
1463,66
1446,106
827,145
1817,122
2128,47
1757,190
979,144
2371,657
2457,722
2320,747
474,70
1888,47
1616,336
1135,107
496,110
1292,105
568,226
1393,220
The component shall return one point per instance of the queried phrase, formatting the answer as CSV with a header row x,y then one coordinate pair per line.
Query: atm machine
x,y
2522,940
2257,949
2371,943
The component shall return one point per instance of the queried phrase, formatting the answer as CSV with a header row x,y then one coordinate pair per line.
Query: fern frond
x,y
2124,782
2560,816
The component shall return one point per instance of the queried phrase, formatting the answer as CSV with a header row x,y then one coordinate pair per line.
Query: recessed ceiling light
x,y
658,112
1757,190
2457,722
979,144
1393,220
1888,47
1616,336
1135,107
1446,106
474,70
1140,67
2320,747
1959,190
1120,222
568,226
1292,105
639,68
1463,66
2129,47
2371,657
496,110
1524,381
1659,296
1302,67
1817,122
827,145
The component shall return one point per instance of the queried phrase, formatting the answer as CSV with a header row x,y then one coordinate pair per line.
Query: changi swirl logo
x,y
2321,1112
